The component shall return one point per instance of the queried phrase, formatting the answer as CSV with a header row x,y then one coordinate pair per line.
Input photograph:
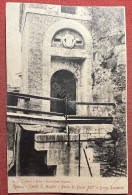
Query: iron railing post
x,y
68,136
79,155
66,102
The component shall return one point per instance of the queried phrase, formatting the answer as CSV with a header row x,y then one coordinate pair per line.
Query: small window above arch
x,y
68,38
68,9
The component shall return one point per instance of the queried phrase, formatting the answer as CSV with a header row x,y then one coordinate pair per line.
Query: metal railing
x,y
68,118
71,118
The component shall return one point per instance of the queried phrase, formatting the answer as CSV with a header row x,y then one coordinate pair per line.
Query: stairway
x,y
65,153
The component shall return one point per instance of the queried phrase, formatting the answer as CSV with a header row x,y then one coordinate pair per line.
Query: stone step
x,y
51,140
66,157
58,157
63,137
65,154
91,128
73,170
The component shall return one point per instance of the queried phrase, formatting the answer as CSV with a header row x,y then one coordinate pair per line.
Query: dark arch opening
x,y
63,84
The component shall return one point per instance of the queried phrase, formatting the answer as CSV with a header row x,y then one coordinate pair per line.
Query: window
x,y
68,10
79,42
57,40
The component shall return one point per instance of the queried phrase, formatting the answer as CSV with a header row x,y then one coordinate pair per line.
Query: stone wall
x,y
109,75
33,58
107,78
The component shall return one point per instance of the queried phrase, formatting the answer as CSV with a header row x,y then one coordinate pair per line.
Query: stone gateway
x,y
69,115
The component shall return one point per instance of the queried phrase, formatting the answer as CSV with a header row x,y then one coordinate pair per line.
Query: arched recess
x,y
85,83
63,84
67,24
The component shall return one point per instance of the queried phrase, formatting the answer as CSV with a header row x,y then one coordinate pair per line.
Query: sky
x,y
13,42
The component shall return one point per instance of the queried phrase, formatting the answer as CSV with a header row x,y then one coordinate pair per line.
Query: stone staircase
x,y
66,154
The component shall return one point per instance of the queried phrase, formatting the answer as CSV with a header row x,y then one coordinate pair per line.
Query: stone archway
x,y
63,84
69,51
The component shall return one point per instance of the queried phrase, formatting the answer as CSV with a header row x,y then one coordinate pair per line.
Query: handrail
x,y
21,96
70,119
15,108
88,117
94,103
25,96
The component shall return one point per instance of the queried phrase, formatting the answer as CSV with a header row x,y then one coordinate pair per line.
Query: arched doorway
x,y
63,84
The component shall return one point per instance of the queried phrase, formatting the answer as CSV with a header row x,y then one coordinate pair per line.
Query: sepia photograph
x,y
66,98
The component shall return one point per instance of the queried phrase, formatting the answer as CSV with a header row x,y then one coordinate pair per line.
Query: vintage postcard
x,y
66,99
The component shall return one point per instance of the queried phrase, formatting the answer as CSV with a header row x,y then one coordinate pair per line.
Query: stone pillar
x,y
18,152
85,88
46,82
